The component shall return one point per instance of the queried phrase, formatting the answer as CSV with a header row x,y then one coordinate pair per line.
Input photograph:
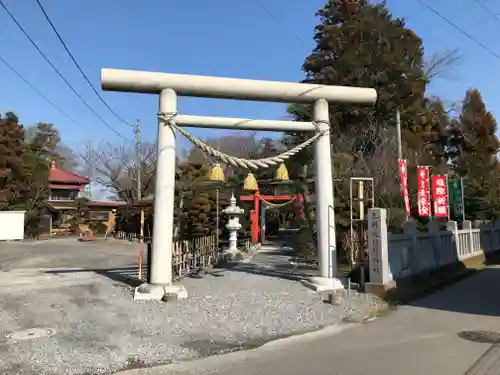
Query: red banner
x,y
403,172
440,195
424,204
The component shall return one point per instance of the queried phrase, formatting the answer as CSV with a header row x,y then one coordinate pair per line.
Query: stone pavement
x,y
431,336
278,261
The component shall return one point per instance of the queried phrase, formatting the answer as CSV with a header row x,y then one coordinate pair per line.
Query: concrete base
x,y
380,290
232,255
322,284
147,292
337,297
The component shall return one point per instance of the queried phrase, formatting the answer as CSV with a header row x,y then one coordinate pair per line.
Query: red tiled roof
x,y
60,175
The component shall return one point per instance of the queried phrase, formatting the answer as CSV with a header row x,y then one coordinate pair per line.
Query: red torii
x,y
256,197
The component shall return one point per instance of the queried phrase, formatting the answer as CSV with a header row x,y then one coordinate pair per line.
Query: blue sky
x,y
213,37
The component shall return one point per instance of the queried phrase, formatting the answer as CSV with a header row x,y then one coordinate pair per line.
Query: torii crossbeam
x,y
169,86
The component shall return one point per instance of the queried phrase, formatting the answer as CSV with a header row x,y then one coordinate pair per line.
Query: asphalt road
x,y
424,338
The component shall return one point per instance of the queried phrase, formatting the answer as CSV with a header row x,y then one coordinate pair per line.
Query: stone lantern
x,y
234,212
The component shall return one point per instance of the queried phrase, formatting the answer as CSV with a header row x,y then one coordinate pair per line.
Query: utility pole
x,y
137,132
89,173
400,146
398,135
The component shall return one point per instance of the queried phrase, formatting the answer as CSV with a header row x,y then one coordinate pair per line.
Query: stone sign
x,y
378,246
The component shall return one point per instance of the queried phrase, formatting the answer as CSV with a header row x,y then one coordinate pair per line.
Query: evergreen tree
x,y
429,139
24,168
361,44
478,161
454,143
198,212
45,139
12,177
41,147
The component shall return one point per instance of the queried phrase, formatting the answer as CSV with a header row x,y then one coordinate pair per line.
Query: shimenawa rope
x,y
169,119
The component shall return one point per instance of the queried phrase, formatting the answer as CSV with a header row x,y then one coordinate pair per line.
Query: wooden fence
x,y
194,254
191,255
130,236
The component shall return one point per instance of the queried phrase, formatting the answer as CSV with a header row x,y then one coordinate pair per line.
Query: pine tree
x,y
199,214
44,138
361,44
454,143
478,161
428,140
198,205
24,168
12,178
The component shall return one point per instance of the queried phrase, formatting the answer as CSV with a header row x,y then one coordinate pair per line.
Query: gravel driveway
x,y
99,329
67,252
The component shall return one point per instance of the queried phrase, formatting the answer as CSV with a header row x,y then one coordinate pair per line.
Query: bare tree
x,y
241,145
369,153
116,169
442,63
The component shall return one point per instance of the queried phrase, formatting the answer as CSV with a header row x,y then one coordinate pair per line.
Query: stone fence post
x,y
486,238
467,225
433,227
412,257
495,233
452,226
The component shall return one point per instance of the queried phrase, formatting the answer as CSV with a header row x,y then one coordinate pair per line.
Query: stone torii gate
x,y
168,87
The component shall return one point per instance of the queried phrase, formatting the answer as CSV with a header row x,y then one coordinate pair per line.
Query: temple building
x,y
64,190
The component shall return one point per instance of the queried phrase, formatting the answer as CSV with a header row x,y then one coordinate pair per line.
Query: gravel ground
x,y
100,329
67,252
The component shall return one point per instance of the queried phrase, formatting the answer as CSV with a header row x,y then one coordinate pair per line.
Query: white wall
x,y
11,225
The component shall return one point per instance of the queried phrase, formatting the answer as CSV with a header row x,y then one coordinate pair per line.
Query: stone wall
x,y
415,261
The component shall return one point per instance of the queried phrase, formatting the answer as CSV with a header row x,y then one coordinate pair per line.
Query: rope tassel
x,y
282,173
250,183
217,173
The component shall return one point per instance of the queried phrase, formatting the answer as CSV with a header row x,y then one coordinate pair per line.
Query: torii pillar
x,y
168,86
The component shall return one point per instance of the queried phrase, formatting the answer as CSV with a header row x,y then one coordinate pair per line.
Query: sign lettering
x,y
423,192
440,194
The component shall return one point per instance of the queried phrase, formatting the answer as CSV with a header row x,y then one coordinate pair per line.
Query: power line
x,y
19,75
59,73
460,30
78,65
285,26
487,10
